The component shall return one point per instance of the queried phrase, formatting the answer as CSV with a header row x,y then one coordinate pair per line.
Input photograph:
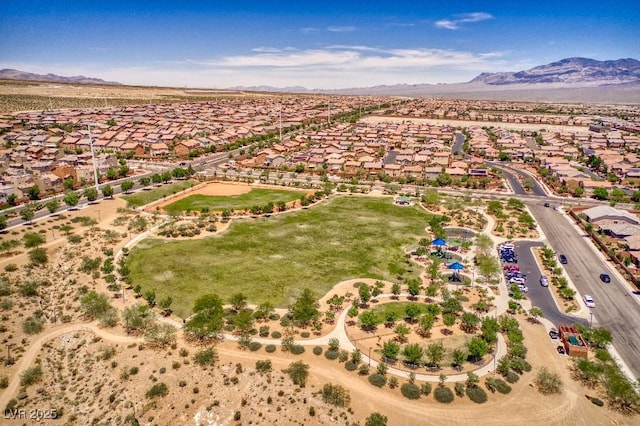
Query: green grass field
x,y
142,198
272,259
255,197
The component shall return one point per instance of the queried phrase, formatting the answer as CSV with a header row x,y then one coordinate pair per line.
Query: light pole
x,y
590,319
369,356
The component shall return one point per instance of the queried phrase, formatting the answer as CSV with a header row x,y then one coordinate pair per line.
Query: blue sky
x,y
313,44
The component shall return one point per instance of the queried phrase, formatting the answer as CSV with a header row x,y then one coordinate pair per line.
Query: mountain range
x,y
567,80
11,74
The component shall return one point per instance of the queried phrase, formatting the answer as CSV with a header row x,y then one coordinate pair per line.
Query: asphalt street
x,y
617,309
538,295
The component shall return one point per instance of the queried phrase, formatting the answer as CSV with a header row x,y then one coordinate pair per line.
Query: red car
x,y
511,268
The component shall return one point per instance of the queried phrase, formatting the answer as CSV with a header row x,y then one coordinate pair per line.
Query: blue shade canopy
x,y
439,242
456,266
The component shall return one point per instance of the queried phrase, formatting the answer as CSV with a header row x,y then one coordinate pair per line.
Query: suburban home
x,y
601,214
183,148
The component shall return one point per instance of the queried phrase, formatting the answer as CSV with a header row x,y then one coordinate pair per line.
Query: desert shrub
x,y
512,377
459,388
526,366
4,382
276,335
317,350
376,419
331,355
264,331
336,395
596,401
32,325
548,382
425,388
393,382
363,370
305,334
11,267
255,346
378,380
297,349
263,366
350,366
443,394
31,375
159,389
206,357
499,385
343,356
410,390
270,348
476,394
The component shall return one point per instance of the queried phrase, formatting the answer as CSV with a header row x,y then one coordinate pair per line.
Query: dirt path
x,y
31,353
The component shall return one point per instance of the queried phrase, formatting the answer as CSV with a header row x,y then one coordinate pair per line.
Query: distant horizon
x,y
314,45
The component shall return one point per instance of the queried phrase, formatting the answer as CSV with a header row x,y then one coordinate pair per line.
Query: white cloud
x,y
335,66
454,24
337,29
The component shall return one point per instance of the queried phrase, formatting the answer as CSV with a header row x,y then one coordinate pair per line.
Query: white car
x,y
544,282
517,280
523,288
588,301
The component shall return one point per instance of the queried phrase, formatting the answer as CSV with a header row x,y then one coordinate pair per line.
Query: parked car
x,y
588,301
563,259
543,281
553,333
523,288
517,280
605,278
561,350
547,204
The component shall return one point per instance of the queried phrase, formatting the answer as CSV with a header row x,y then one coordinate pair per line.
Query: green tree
x,y
91,194
469,322
107,191
165,304
298,372
431,197
3,222
53,205
365,293
490,330
244,321
402,331
413,287
600,194
395,289
390,349
71,199
305,309
413,353
145,181
126,186
477,348
368,320
435,354
33,193
458,356
238,301
426,324
27,213
208,317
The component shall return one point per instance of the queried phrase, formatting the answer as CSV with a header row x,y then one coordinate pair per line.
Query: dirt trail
x,y
31,353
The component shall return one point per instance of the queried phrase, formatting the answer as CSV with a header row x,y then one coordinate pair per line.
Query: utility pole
x,y
281,122
93,157
329,110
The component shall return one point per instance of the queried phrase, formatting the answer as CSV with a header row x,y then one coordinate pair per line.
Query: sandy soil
x,y
92,387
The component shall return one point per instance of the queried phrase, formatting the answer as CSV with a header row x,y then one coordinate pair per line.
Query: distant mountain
x,y
572,71
11,74
288,89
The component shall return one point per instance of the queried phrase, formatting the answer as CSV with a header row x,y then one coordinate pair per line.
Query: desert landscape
x,y
76,367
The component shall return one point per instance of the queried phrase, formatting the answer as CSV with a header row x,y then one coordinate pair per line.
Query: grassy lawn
x,y
272,259
397,307
142,198
255,197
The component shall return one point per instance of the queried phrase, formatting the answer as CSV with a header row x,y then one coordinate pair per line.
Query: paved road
x,y
510,174
540,296
617,309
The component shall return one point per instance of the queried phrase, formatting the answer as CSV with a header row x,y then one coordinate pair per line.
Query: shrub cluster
x,y
378,380
443,394
331,354
476,394
410,390
317,350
